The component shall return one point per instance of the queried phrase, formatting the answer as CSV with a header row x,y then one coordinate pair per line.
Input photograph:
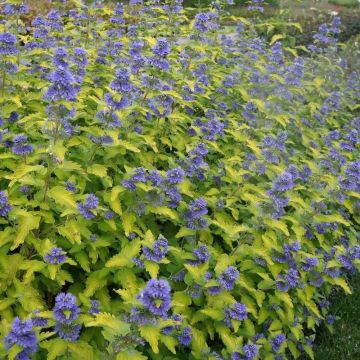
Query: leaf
x,y
131,354
215,314
62,196
98,170
331,218
128,146
275,38
183,232
170,342
83,260
124,258
152,335
26,223
342,283
152,268
110,321
81,350
114,200
277,224
163,210
128,221
55,348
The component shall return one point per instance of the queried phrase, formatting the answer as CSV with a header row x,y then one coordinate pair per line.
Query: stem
x,y
47,181
93,155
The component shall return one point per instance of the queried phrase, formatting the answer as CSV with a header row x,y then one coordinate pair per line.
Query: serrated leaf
x,y
125,256
26,223
152,268
55,348
62,196
152,335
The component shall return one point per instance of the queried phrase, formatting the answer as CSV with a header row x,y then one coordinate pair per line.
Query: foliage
x,y
170,190
350,3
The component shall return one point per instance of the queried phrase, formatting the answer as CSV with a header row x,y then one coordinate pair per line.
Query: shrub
x,y
169,191
350,3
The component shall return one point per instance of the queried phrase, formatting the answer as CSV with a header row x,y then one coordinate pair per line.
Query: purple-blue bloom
x,y
55,256
228,277
5,207
65,310
159,251
156,297
21,334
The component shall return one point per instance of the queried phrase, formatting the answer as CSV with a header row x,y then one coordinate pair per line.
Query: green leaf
x,y
55,348
98,170
131,354
170,342
81,350
152,268
331,218
114,200
62,196
277,224
125,256
128,221
26,223
152,335
110,321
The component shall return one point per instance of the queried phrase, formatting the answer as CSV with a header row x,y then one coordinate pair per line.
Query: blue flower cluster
x,y
22,334
66,311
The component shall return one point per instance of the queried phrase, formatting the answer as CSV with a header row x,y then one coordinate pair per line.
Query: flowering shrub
x,y
170,190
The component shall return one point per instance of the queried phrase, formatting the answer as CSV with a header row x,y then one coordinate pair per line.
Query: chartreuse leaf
x,y
81,350
170,342
151,334
55,348
125,256
110,321
26,223
131,354
62,197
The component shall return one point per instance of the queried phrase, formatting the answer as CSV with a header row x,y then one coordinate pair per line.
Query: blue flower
x,y
277,341
94,309
7,44
55,256
156,297
91,202
66,331
175,176
309,263
21,334
60,57
15,9
62,87
66,310
19,147
205,22
38,321
159,251
79,57
284,182
238,312
185,337
228,277
4,205
162,48
250,351
70,186
201,254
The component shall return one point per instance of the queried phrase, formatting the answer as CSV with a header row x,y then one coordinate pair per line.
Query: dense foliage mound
x,y
170,191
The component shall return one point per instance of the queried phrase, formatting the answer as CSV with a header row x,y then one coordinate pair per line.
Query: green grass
x,y
344,342
349,3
